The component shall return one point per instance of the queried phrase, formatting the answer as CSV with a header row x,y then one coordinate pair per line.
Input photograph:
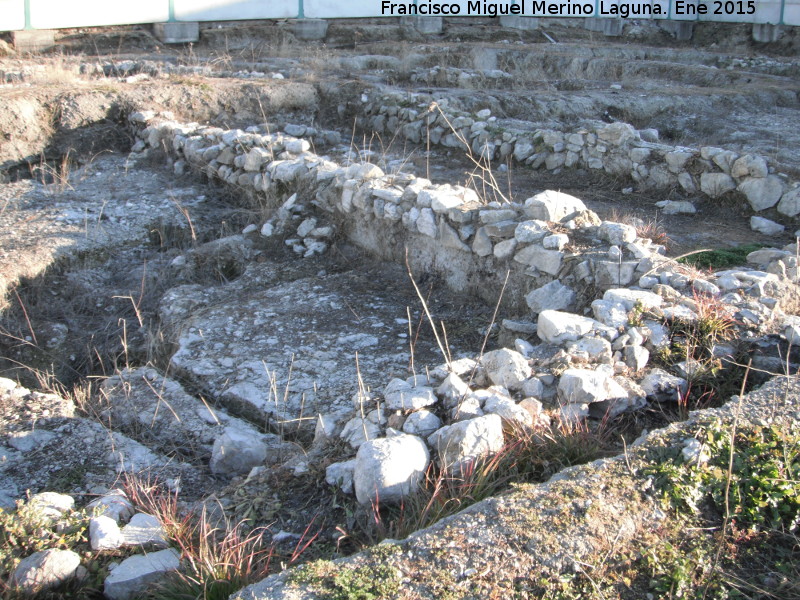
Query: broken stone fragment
x,y
44,570
340,474
506,367
557,327
584,386
136,573
51,505
553,206
401,395
461,443
422,423
144,530
104,533
661,386
469,408
552,296
235,452
357,431
617,233
507,409
388,469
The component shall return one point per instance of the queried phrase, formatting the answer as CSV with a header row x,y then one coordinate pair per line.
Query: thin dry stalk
x,y
483,165
445,353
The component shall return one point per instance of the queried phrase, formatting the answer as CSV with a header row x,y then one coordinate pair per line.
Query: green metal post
x,y
28,15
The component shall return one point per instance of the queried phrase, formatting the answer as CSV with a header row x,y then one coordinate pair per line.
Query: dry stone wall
x,y
616,149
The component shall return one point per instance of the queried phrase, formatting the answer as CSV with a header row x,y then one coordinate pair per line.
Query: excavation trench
x,y
194,292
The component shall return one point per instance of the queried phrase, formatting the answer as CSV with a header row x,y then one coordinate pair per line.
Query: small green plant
x,y
334,582
28,529
721,258
764,490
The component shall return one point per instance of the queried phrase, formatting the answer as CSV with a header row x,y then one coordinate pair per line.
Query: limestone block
x,y
716,184
766,226
762,192
136,573
461,443
552,296
506,367
399,394
583,386
388,469
235,452
551,205
44,570
340,474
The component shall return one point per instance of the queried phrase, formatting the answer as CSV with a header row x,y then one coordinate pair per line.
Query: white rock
x,y
401,395
552,296
507,409
388,469
660,385
51,505
461,443
144,530
426,223
452,390
765,226
702,286
617,233
297,146
104,533
548,261
532,387
528,232
630,298
791,330
357,431
572,414
677,207
636,357
44,570
790,203
557,327
611,314
716,184
306,227
583,386
422,423
114,504
25,441
556,241
749,166
523,347
235,452
136,573
506,367
340,474
762,192
553,206
505,249
469,408
482,244
596,349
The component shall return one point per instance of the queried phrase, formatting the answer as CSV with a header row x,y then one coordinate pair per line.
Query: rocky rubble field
x,y
250,315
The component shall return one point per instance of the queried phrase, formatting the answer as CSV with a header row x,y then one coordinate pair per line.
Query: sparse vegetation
x,y
721,258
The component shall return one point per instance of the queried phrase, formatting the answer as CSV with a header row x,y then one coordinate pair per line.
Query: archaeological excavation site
x,y
400,308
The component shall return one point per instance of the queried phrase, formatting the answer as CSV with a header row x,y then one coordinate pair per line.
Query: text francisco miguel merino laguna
x,y
543,8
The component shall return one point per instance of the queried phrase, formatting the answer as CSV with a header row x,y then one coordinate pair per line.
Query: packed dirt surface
x,y
152,265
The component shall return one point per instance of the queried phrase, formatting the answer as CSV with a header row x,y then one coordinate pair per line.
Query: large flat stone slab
x,y
278,352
